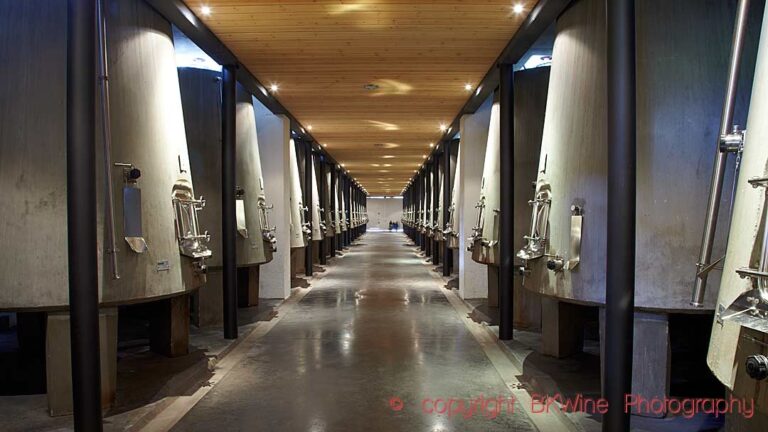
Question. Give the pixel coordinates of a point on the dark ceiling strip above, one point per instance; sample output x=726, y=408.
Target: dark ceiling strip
x=536, y=23
x=182, y=17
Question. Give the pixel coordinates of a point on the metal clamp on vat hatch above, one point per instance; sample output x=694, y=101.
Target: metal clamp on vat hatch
x=323, y=227
x=267, y=232
x=477, y=230
x=305, y=227
x=537, y=236
x=750, y=309
x=191, y=240
x=132, y=224
x=242, y=225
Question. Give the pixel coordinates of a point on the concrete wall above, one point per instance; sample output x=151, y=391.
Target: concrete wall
x=381, y=211
x=274, y=140
x=473, y=277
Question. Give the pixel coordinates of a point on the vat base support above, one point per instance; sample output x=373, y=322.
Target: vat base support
x=59, y=364
x=562, y=328
x=493, y=286
x=248, y=286
x=169, y=327
x=652, y=357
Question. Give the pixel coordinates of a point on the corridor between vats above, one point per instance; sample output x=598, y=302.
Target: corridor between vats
x=375, y=330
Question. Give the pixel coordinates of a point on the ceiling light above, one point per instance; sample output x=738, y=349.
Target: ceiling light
x=205, y=10
x=468, y=87
x=342, y=165
x=274, y=87
x=431, y=145
x=518, y=8
x=309, y=127
x=325, y=145
x=443, y=127
x=387, y=157
x=424, y=156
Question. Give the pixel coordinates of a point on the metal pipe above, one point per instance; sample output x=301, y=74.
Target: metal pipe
x=308, y=261
x=621, y=206
x=322, y=195
x=228, y=212
x=721, y=157
x=106, y=131
x=447, y=253
x=506, y=207
x=82, y=238
x=435, y=206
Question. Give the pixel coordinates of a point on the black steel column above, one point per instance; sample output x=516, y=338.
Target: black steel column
x=308, y=204
x=81, y=215
x=228, y=213
x=332, y=198
x=447, y=195
x=323, y=196
x=506, y=191
x=620, y=273
x=435, y=205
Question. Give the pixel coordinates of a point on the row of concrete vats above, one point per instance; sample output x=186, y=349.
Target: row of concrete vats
x=160, y=151
x=560, y=147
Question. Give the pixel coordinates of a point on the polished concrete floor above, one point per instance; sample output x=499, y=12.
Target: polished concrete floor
x=373, y=332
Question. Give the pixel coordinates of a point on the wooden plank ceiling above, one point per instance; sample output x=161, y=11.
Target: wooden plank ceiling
x=418, y=56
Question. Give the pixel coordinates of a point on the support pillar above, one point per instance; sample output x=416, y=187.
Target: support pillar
x=507, y=205
x=447, y=195
x=228, y=213
x=81, y=218
x=622, y=191
x=308, y=203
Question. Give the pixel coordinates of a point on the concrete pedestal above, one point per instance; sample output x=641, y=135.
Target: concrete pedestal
x=562, y=328
x=169, y=326
x=59, y=360
x=651, y=362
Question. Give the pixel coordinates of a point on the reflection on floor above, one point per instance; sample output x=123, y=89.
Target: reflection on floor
x=374, y=346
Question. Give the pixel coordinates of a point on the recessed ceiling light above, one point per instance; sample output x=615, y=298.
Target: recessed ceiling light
x=443, y=127
x=424, y=156
x=518, y=8
x=388, y=157
x=205, y=10
x=325, y=145
x=468, y=87
x=309, y=127
x=274, y=87
x=371, y=86
x=342, y=165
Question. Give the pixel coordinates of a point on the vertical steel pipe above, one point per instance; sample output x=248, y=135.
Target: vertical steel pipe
x=435, y=204
x=82, y=242
x=506, y=207
x=106, y=131
x=622, y=191
x=447, y=253
x=334, y=211
x=228, y=212
x=323, y=196
x=308, y=204
x=721, y=157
